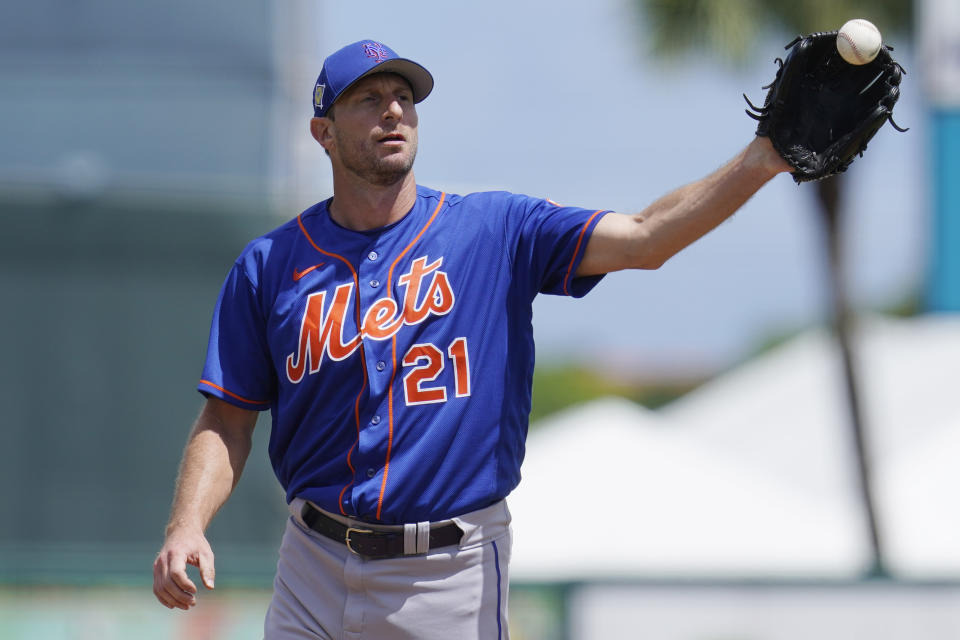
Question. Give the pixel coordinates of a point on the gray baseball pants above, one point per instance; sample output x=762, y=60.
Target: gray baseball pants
x=324, y=591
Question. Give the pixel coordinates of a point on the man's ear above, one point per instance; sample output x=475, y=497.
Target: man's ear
x=320, y=130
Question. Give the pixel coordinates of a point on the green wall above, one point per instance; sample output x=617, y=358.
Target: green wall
x=104, y=313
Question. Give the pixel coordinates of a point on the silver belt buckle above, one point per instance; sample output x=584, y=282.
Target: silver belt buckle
x=347, y=538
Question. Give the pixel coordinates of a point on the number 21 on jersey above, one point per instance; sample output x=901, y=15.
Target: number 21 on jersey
x=426, y=361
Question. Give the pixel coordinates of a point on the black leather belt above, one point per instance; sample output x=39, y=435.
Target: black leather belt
x=369, y=542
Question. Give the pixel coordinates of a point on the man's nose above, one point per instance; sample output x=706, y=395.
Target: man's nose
x=393, y=110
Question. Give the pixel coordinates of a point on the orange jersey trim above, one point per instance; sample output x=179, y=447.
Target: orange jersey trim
x=356, y=403
x=576, y=251
x=393, y=374
x=232, y=394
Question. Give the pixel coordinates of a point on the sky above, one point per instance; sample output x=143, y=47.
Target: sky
x=563, y=100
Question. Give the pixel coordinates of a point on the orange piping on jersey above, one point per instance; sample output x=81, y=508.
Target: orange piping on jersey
x=576, y=251
x=363, y=357
x=232, y=394
x=393, y=373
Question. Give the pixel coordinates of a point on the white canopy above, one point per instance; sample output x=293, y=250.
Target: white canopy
x=753, y=474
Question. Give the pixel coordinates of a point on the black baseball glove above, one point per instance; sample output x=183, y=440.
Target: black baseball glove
x=821, y=111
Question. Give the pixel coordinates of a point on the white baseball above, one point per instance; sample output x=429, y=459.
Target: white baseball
x=858, y=41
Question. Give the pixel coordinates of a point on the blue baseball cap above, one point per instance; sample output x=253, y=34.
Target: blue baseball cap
x=344, y=68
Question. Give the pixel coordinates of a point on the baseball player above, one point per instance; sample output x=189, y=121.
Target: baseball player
x=388, y=331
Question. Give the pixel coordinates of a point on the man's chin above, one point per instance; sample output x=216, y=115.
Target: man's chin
x=384, y=171
x=392, y=169
x=387, y=176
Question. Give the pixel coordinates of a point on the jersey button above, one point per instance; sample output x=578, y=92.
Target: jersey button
x=371, y=472
x=381, y=365
x=374, y=283
x=373, y=255
x=375, y=420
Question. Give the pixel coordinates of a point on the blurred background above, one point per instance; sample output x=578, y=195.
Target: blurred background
x=759, y=440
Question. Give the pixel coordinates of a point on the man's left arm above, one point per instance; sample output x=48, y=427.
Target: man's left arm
x=648, y=239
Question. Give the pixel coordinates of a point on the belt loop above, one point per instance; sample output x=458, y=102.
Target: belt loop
x=423, y=537
x=410, y=542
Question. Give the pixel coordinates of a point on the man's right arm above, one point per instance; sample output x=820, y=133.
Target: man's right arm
x=648, y=239
x=213, y=460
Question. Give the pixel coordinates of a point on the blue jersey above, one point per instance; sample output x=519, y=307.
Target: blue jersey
x=397, y=363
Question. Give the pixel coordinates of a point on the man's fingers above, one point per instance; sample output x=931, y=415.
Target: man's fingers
x=180, y=579
x=207, y=570
x=159, y=591
x=172, y=585
x=166, y=599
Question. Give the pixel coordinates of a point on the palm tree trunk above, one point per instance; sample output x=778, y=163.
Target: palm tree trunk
x=828, y=193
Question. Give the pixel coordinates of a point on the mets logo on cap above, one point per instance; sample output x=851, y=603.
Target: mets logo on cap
x=376, y=51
